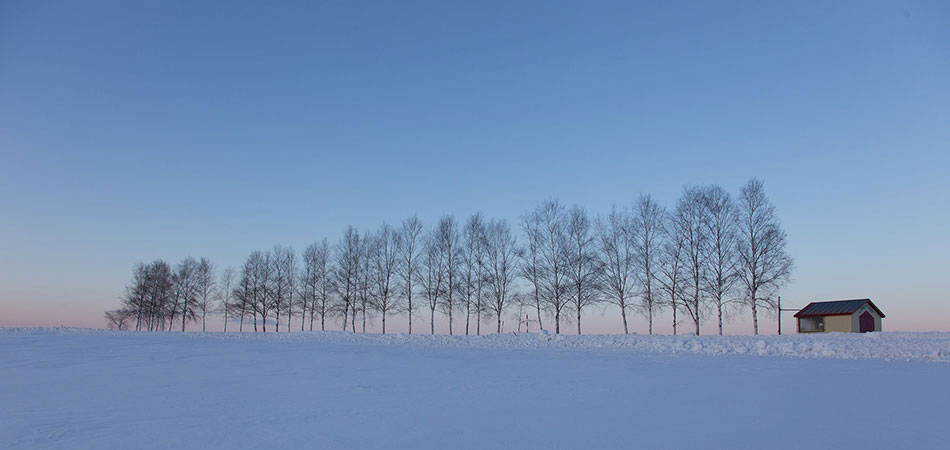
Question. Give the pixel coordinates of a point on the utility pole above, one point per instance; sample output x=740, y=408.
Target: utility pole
x=780, y=309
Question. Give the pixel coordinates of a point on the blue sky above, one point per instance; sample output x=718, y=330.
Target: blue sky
x=164, y=129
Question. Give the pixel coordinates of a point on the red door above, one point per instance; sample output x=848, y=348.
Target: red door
x=866, y=322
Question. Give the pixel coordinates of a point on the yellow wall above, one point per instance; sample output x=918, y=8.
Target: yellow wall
x=841, y=324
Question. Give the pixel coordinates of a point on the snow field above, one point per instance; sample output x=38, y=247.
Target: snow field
x=933, y=346
x=83, y=389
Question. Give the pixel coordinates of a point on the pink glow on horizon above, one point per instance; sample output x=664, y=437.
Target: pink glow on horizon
x=596, y=321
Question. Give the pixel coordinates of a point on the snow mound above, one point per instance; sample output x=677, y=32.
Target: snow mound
x=75, y=389
x=933, y=346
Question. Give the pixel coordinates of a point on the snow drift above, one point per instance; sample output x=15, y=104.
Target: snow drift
x=85, y=389
x=933, y=346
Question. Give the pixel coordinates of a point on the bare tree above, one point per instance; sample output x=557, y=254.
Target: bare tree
x=764, y=265
x=648, y=223
x=617, y=239
x=290, y=285
x=554, y=255
x=532, y=266
x=364, y=276
x=306, y=288
x=433, y=273
x=309, y=284
x=262, y=302
x=327, y=285
x=161, y=287
x=157, y=304
x=690, y=222
x=245, y=291
x=347, y=274
x=585, y=266
x=473, y=271
x=225, y=294
x=242, y=296
x=185, y=292
x=205, y=287
x=135, y=299
x=386, y=259
x=501, y=266
x=316, y=282
x=448, y=235
x=722, y=261
x=671, y=267
x=283, y=263
x=411, y=238
x=119, y=319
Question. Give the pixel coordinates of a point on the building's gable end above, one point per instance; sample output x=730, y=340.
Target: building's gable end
x=874, y=312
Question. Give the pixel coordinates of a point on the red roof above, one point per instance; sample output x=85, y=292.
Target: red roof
x=836, y=308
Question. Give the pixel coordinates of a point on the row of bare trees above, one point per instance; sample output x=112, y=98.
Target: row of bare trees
x=709, y=256
x=161, y=295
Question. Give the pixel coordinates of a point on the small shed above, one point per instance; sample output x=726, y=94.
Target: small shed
x=845, y=316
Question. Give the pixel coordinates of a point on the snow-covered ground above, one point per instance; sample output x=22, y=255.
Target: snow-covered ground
x=78, y=389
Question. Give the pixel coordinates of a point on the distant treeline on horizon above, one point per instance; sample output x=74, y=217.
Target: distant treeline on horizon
x=710, y=254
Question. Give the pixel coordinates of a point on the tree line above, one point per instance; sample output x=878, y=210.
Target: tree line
x=705, y=257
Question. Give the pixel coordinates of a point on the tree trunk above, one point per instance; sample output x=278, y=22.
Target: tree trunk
x=720, y=318
x=432, y=320
x=623, y=314
x=755, y=311
x=650, y=315
x=674, y=319
x=478, y=309
x=578, y=320
x=578, y=307
x=649, y=299
x=468, y=315
x=696, y=307
x=384, y=322
x=537, y=304
x=755, y=319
